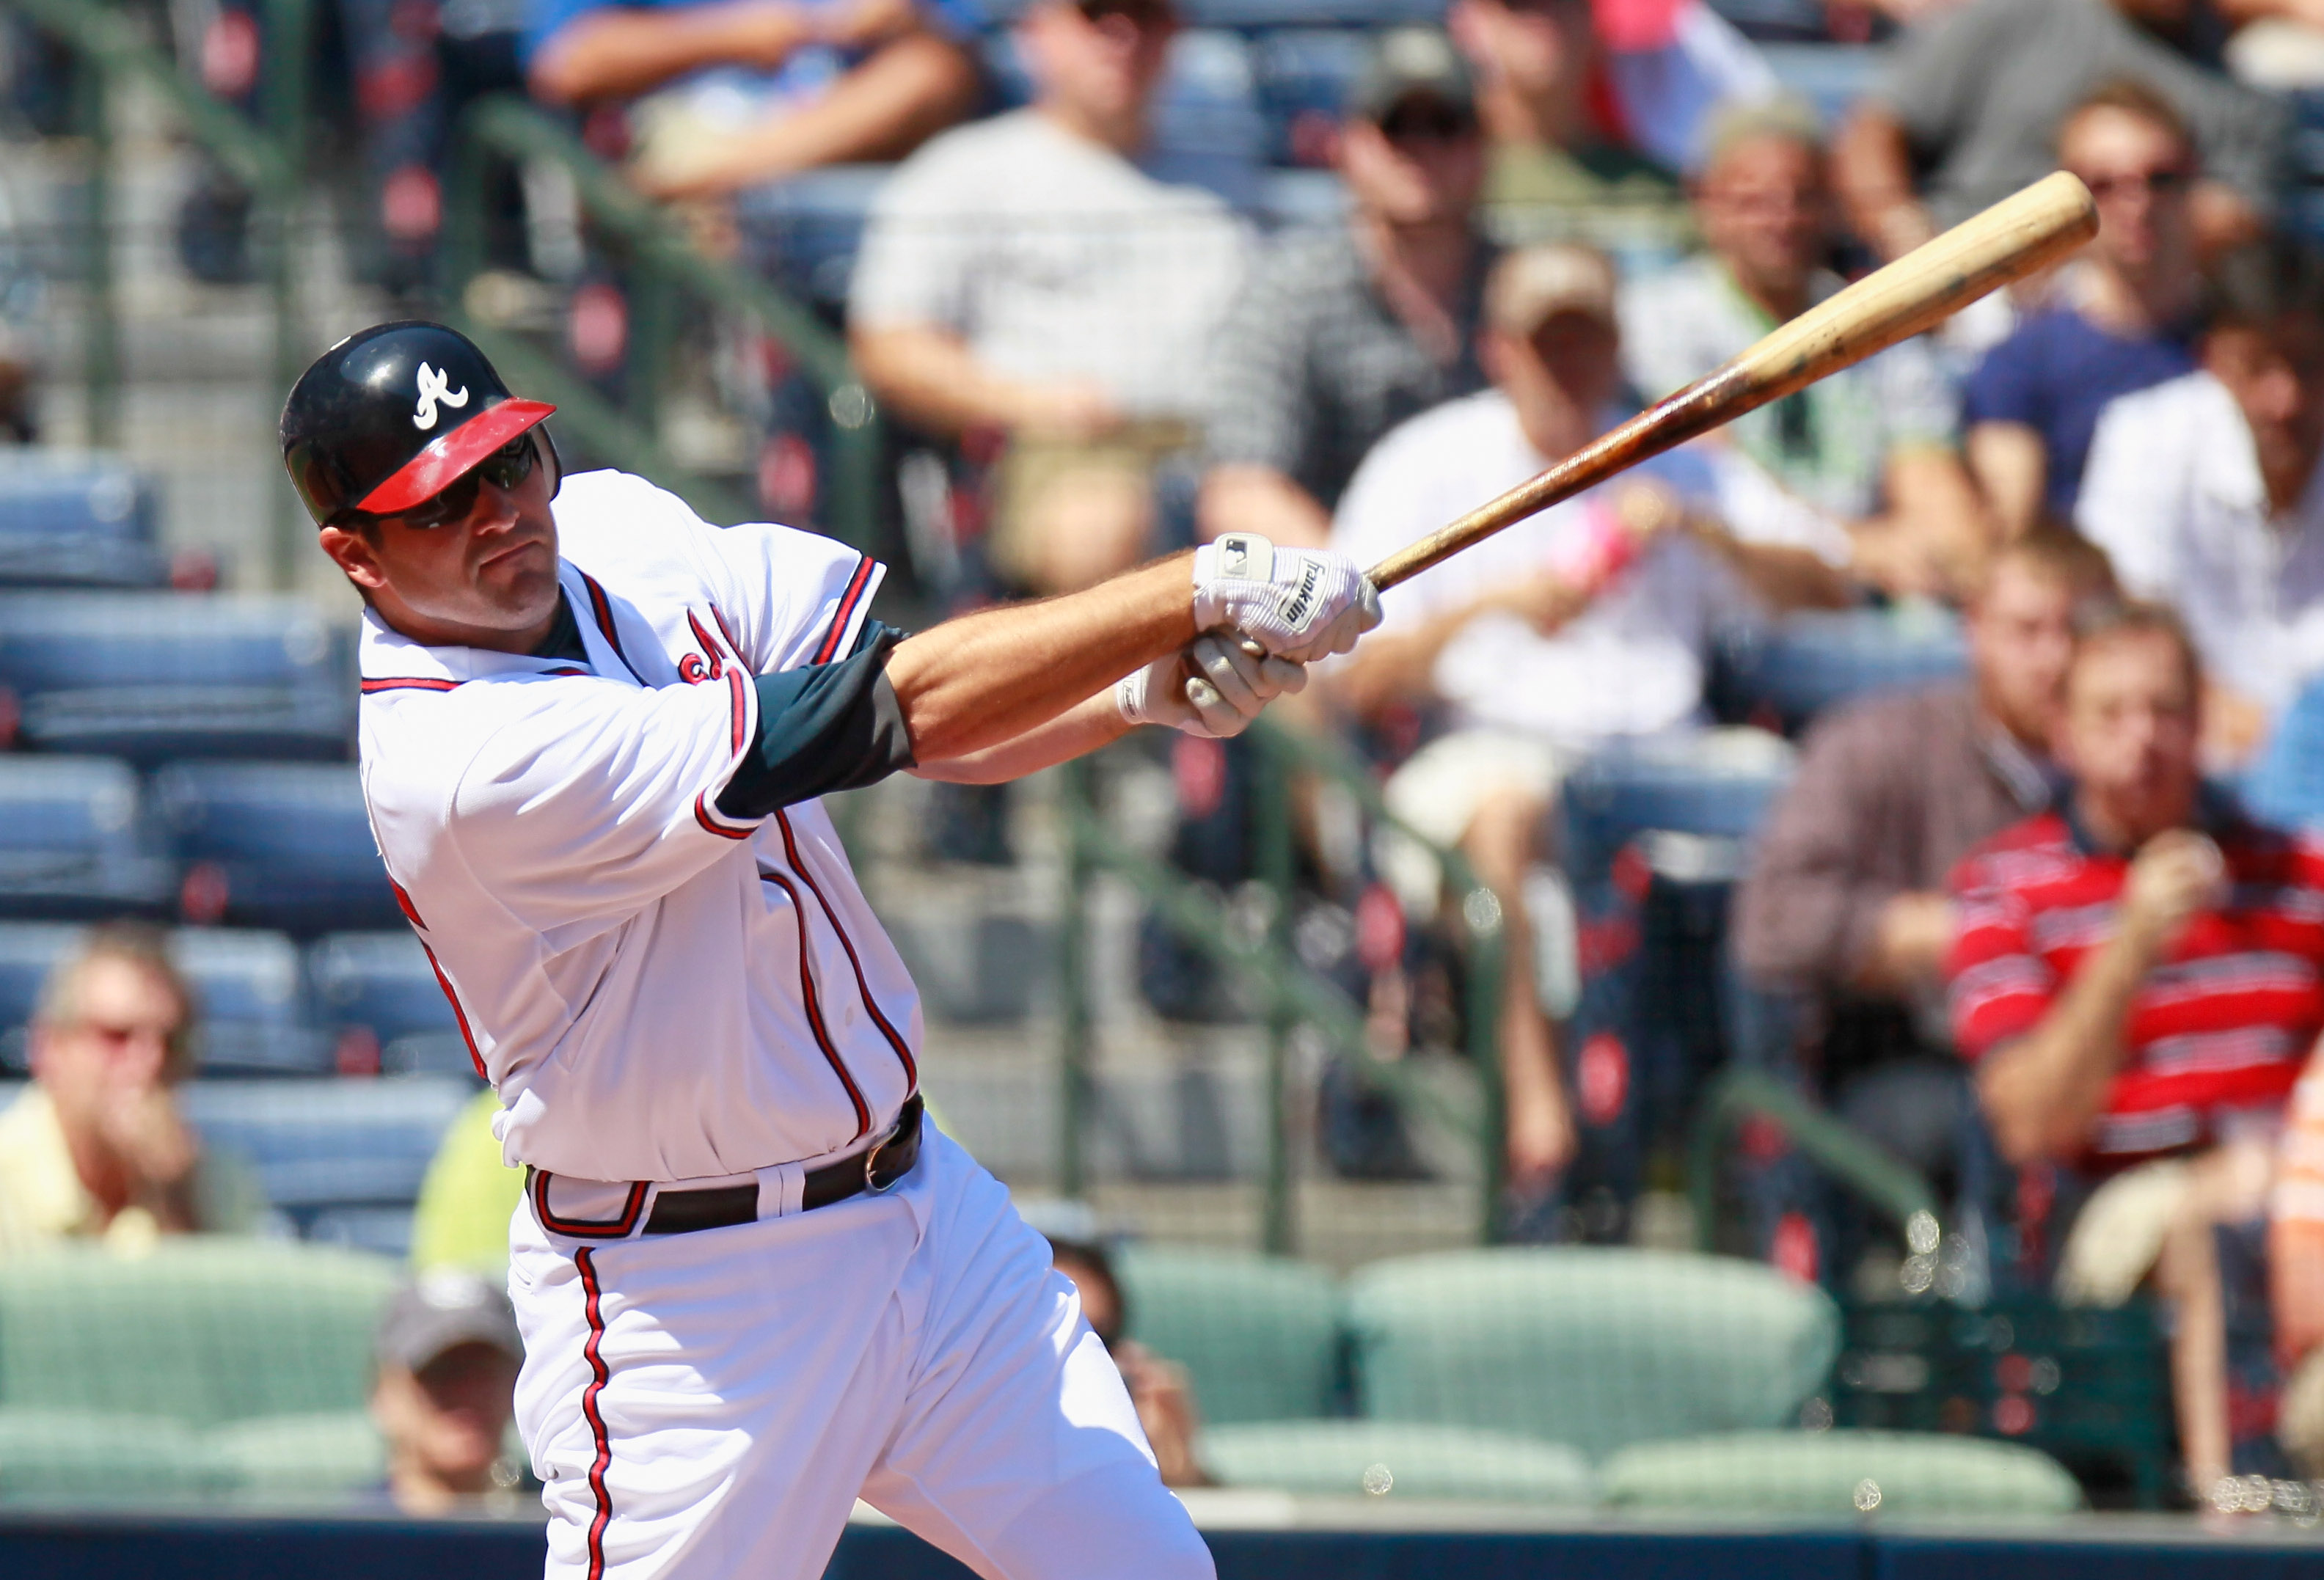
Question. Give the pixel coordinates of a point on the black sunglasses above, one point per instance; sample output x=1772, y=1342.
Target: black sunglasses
x=1428, y=120
x=1145, y=14
x=504, y=469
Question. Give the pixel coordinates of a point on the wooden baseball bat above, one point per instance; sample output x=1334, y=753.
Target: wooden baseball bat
x=2009, y=241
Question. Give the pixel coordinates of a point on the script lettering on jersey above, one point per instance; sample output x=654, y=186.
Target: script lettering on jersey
x=433, y=387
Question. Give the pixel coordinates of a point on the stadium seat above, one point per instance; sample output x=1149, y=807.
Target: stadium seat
x=803, y=232
x=72, y=844
x=48, y=1455
x=313, y=1452
x=1840, y=1474
x=1328, y=1457
x=254, y=1003
x=77, y=519
x=156, y=676
x=1207, y=127
x=1597, y=1348
x=317, y=1146
x=1786, y=673
x=381, y=985
x=1259, y=1335
x=275, y=845
x=200, y=1330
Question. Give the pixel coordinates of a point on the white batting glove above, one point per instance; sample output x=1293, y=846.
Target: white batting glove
x=1237, y=680
x=1297, y=603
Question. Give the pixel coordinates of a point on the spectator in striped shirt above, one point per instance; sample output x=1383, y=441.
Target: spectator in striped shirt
x=2138, y=976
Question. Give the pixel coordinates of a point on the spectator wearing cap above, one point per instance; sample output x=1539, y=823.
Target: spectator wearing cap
x=95, y=1148
x=2205, y=491
x=446, y=1360
x=1845, y=904
x=2121, y=318
x=1024, y=276
x=1873, y=446
x=1159, y=1388
x=728, y=94
x=1344, y=331
x=1588, y=623
x=1975, y=96
x=2137, y=977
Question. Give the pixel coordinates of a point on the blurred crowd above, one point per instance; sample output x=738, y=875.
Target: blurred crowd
x=2053, y=933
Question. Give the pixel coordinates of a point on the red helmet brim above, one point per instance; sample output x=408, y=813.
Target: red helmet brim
x=441, y=465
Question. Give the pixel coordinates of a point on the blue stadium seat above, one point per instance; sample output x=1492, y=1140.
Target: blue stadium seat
x=380, y=983
x=1787, y=673
x=1208, y=130
x=155, y=675
x=320, y=1146
x=71, y=846
x=70, y=520
x=253, y=1006
x=803, y=233
x=1304, y=77
x=278, y=844
x=254, y=1019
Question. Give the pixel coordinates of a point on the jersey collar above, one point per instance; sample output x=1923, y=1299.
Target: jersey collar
x=389, y=660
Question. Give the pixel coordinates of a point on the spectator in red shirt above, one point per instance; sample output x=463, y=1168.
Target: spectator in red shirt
x=2138, y=976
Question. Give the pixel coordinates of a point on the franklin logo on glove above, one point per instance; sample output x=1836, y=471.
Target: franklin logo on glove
x=1296, y=603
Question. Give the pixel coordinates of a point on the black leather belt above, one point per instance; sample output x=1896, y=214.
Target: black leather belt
x=879, y=1171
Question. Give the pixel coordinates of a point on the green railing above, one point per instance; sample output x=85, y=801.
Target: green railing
x=1834, y=1145
x=663, y=261
x=1289, y=993
x=110, y=50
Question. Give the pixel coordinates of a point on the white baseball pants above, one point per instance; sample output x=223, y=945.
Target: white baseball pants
x=710, y=1405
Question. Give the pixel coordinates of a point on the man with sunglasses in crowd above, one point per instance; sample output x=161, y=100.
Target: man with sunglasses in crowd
x=595, y=734
x=1345, y=330
x=95, y=1148
x=1028, y=277
x=2121, y=318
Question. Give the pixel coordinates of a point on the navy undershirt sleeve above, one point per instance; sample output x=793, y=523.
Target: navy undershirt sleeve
x=823, y=727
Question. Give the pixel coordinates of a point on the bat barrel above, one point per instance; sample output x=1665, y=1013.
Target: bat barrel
x=2017, y=236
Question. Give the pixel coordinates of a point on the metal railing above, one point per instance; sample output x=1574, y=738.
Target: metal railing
x=1834, y=1145
x=110, y=51
x=1289, y=993
x=661, y=257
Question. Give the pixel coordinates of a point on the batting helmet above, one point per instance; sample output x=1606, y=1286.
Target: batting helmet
x=394, y=414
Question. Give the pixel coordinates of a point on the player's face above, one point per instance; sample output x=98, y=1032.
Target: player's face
x=2142, y=177
x=118, y=1046
x=1422, y=164
x=486, y=578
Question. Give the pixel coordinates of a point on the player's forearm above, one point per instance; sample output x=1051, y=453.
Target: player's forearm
x=2039, y=1094
x=1078, y=731
x=974, y=683
x=621, y=52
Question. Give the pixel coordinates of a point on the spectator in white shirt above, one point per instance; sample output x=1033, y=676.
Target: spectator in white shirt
x=1024, y=276
x=2205, y=493
x=1590, y=621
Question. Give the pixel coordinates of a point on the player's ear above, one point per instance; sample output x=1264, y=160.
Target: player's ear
x=354, y=554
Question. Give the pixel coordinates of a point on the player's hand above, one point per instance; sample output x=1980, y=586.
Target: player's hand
x=1233, y=678
x=2176, y=874
x=1297, y=603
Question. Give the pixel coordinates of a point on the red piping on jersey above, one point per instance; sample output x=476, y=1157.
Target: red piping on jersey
x=845, y=613
x=403, y=903
x=815, y=1008
x=587, y=1228
x=593, y=1352
x=862, y=988
x=738, y=737
x=600, y=606
x=727, y=631
x=565, y=669
x=459, y=1014
x=702, y=816
x=411, y=683
x=710, y=649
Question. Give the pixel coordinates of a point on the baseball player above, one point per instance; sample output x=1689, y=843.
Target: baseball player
x=594, y=731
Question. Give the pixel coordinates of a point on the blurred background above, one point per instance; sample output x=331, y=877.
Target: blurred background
x=1776, y=996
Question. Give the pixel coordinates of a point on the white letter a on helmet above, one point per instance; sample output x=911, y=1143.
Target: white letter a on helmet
x=433, y=387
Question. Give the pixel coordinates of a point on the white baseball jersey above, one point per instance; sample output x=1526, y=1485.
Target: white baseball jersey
x=658, y=990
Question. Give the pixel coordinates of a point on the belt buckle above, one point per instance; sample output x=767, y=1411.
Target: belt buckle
x=871, y=1185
